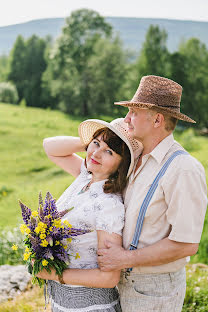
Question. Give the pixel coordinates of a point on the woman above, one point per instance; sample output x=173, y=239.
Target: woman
x=96, y=198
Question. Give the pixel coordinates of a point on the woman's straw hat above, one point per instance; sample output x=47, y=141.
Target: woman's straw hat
x=88, y=127
x=158, y=92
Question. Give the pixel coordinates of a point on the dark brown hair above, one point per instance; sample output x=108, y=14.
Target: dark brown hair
x=116, y=181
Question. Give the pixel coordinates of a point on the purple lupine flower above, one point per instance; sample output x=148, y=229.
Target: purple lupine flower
x=33, y=223
x=62, y=213
x=46, y=208
x=48, y=254
x=40, y=213
x=40, y=200
x=26, y=212
x=53, y=208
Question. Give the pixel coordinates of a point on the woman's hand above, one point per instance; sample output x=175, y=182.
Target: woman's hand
x=46, y=275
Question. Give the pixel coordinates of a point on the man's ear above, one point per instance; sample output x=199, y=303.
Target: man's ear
x=158, y=120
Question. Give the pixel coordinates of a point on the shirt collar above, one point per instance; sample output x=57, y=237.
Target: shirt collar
x=162, y=148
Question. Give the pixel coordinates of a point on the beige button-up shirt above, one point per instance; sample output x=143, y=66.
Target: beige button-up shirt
x=177, y=208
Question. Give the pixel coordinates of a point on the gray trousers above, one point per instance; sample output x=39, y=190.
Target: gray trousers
x=153, y=292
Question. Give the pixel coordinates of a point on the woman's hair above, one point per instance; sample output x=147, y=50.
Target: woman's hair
x=117, y=180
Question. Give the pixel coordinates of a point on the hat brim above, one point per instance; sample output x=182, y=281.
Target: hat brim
x=169, y=111
x=88, y=127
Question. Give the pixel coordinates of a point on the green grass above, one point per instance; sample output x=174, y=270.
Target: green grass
x=25, y=169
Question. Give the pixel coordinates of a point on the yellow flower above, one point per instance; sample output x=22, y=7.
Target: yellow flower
x=44, y=262
x=27, y=230
x=69, y=240
x=35, y=213
x=57, y=223
x=26, y=256
x=57, y=243
x=66, y=222
x=51, y=229
x=27, y=249
x=42, y=236
x=65, y=246
x=44, y=243
x=22, y=228
x=14, y=247
x=77, y=255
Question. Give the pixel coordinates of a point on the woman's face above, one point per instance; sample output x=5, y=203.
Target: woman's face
x=101, y=160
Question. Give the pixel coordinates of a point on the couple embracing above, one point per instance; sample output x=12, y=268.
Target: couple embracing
x=145, y=199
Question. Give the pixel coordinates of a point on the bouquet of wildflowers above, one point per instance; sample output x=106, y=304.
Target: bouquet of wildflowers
x=47, y=237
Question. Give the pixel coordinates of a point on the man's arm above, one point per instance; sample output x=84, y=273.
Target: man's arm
x=162, y=252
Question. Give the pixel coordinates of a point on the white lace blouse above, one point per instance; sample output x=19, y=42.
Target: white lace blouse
x=93, y=209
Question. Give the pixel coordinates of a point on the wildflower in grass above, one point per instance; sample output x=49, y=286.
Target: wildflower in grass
x=14, y=247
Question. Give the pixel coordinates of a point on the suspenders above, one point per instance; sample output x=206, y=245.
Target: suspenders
x=148, y=198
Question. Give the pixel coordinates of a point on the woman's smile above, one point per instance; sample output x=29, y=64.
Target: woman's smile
x=94, y=161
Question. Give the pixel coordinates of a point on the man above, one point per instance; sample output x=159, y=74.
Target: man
x=175, y=214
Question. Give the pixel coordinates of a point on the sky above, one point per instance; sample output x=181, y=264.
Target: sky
x=19, y=11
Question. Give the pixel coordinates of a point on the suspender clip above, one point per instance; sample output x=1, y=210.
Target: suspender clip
x=134, y=246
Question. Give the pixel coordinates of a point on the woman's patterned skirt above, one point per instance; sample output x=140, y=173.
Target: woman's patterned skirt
x=65, y=298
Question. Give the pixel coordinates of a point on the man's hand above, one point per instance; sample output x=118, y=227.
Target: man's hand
x=112, y=258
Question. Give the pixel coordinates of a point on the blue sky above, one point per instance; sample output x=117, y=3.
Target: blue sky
x=18, y=11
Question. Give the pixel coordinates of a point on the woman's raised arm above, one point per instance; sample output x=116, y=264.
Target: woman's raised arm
x=61, y=150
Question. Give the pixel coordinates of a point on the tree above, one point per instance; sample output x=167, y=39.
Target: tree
x=17, y=65
x=35, y=65
x=68, y=68
x=106, y=76
x=27, y=64
x=8, y=93
x=195, y=98
x=154, y=56
x=4, y=62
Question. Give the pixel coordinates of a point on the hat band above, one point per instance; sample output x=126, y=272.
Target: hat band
x=159, y=99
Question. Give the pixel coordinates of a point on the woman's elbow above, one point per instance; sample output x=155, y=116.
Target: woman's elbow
x=45, y=145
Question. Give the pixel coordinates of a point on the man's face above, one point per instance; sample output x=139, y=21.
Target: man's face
x=140, y=123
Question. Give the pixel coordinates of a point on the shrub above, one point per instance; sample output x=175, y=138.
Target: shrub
x=189, y=141
x=7, y=239
x=196, y=299
x=8, y=93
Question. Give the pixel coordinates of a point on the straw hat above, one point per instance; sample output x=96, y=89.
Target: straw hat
x=88, y=127
x=158, y=92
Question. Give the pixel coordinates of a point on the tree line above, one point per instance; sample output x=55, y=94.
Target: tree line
x=87, y=69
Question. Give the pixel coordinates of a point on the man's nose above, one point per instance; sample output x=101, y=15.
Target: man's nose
x=127, y=119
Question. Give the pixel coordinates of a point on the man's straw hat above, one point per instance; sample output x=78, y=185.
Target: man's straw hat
x=158, y=92
x=88, y=127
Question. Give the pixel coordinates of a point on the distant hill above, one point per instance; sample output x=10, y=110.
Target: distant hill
x=131, y=30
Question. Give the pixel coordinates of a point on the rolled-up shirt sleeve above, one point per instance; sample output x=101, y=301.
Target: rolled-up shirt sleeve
x=186, y=198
